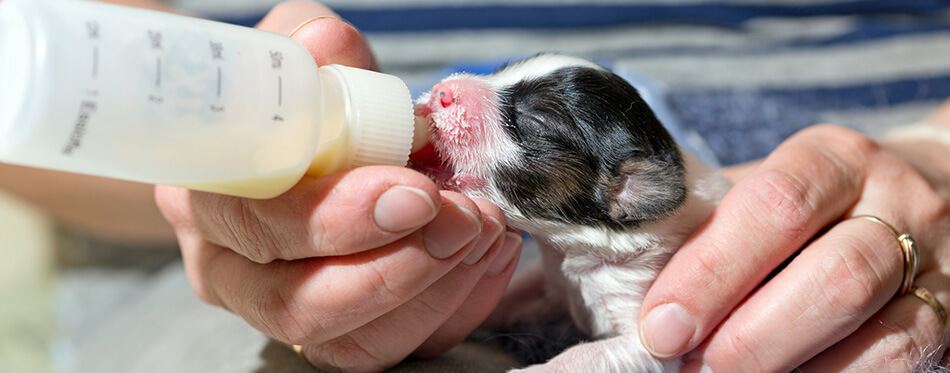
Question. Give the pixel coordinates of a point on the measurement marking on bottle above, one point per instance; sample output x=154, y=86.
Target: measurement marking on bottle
x=92, y=30
x=217, y=50
x=280, y=90
x=155, y=39
x=276, y=59
x=95, y=62
x=86, y=110
x=158, y=72
x=219, y=81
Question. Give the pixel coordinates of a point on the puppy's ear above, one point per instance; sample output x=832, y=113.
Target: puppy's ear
x=646, y=189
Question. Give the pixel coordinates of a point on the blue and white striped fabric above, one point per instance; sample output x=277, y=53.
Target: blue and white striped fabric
x=741, y=74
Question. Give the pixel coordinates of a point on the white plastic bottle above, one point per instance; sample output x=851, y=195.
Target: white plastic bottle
x=146, y=96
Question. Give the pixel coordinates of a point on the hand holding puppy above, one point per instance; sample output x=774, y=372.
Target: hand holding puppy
x=723, y=302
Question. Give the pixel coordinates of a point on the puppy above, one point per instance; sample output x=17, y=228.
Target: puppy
x=574, y=156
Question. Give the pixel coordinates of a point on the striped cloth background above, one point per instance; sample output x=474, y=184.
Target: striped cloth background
x=739, y=74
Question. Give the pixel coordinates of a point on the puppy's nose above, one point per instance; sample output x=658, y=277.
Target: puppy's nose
x=442, y=96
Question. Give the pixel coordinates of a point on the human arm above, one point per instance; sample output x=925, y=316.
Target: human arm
x=118, y=211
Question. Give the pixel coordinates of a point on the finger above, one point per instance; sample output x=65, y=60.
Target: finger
x=312, y=300
x=767, y=216
x=340, y=214
x=904, y=336
x=329, y=39
x=390, y=338
x=480, y=302
x=824, y=294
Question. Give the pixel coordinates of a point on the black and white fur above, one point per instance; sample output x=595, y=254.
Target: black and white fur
x=574, y=156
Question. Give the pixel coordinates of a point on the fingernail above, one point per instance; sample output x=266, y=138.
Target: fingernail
x=452, y=229
x=490, y=233
x=401, y=208
x=506, y=253
x=667, y=329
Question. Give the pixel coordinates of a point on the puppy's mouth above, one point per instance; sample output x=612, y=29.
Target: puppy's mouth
x=429, y=159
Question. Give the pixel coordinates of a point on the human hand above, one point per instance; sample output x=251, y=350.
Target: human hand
x=361, y=268
x=832, y=307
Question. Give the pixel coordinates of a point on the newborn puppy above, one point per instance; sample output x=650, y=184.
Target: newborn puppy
x=572, y=155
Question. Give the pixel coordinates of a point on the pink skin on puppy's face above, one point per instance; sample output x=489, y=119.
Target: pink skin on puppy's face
x=464, y=122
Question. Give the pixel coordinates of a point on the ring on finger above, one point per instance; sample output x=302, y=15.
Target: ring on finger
x=929, y=298
x=909, y=251
x=304, y=23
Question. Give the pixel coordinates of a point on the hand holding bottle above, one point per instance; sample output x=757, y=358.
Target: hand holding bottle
x=363, y=267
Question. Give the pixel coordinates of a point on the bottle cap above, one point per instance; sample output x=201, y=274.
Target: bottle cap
x=379, y=115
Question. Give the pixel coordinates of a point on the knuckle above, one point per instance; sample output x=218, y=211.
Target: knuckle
x=385, y=291
x=278, y=317
x=786, y=200
x=848, y=282
x=252, y=238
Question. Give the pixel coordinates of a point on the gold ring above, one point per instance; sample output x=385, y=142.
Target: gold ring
x=909, y=251
x=304, y=23
x=299, y=350
x=928, y=297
